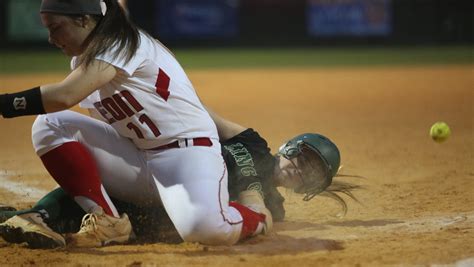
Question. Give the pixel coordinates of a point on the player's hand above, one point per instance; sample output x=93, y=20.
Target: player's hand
x=254, y=201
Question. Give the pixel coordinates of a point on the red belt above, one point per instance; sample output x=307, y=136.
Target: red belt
x=199, y=141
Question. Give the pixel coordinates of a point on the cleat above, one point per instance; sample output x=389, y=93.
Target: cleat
x=99, y=229
x=11, y=234
x=30, y=228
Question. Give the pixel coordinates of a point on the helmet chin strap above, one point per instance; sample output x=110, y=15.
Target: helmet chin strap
x=291, y=153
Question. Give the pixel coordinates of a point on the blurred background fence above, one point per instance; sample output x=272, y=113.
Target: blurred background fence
x=246, y=23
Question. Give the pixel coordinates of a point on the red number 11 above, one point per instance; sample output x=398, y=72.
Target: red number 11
x=162, y=88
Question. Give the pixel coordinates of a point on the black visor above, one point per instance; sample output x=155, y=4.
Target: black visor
x=71, y=7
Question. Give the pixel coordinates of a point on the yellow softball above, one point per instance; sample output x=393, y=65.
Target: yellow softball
x=440, y=131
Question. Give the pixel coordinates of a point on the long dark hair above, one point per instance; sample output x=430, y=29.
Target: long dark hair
x=113, y=29
x=337, y=188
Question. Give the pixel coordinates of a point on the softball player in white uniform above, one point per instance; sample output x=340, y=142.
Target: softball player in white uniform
x=156, y=143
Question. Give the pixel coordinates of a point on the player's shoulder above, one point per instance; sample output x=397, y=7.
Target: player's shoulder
x=248, y=137
x=251, y=141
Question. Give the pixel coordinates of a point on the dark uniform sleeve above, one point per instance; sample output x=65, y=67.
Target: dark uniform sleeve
x=250, y=166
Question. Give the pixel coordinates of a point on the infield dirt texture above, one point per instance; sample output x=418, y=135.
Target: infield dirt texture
x=417, y=208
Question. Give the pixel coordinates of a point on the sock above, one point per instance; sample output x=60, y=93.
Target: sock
x=58, y=210
x=253, y=222
x=74, y=169
x=51, y=203
x=5, y=215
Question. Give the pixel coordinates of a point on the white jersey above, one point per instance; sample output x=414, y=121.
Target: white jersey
x=151, y=100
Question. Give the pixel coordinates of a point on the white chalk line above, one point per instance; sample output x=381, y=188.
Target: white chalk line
x=469, y=262
x=20, y=188
x=428, y=224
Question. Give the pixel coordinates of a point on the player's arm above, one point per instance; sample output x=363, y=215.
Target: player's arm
x=58, y=96
x=246, y=183
x=225, y=128
x=77, y=86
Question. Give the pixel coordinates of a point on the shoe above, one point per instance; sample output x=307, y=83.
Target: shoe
x=99, y=229
x=30, y=228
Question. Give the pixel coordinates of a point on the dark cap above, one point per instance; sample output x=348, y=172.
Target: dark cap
x=71, y=7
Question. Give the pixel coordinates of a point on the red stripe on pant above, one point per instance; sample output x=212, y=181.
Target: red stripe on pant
x=75, y=170
x=251, y=219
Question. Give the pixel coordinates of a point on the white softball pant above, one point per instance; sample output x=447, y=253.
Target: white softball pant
x=190, y=182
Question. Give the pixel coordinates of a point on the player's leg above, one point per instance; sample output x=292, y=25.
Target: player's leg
x=6, y=212
x=117, y=163
x=40, y=226
x=192, y=183
x=56, y=207
x=30, y=226
x=63, y=215
x=68, y=160
x=90, y=160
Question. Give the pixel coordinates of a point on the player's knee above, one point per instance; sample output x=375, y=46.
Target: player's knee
x=38, y=130
x=211, y=230
x=46, y=134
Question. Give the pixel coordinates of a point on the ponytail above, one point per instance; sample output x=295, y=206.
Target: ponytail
x=114, y=29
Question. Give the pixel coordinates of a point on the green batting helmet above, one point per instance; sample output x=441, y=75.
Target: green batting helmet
x=318, y=161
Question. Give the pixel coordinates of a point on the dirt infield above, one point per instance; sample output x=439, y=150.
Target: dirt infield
x=418, y=205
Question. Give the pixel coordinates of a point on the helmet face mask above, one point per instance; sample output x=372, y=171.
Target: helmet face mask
x=318, y=161
x=315, y=173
